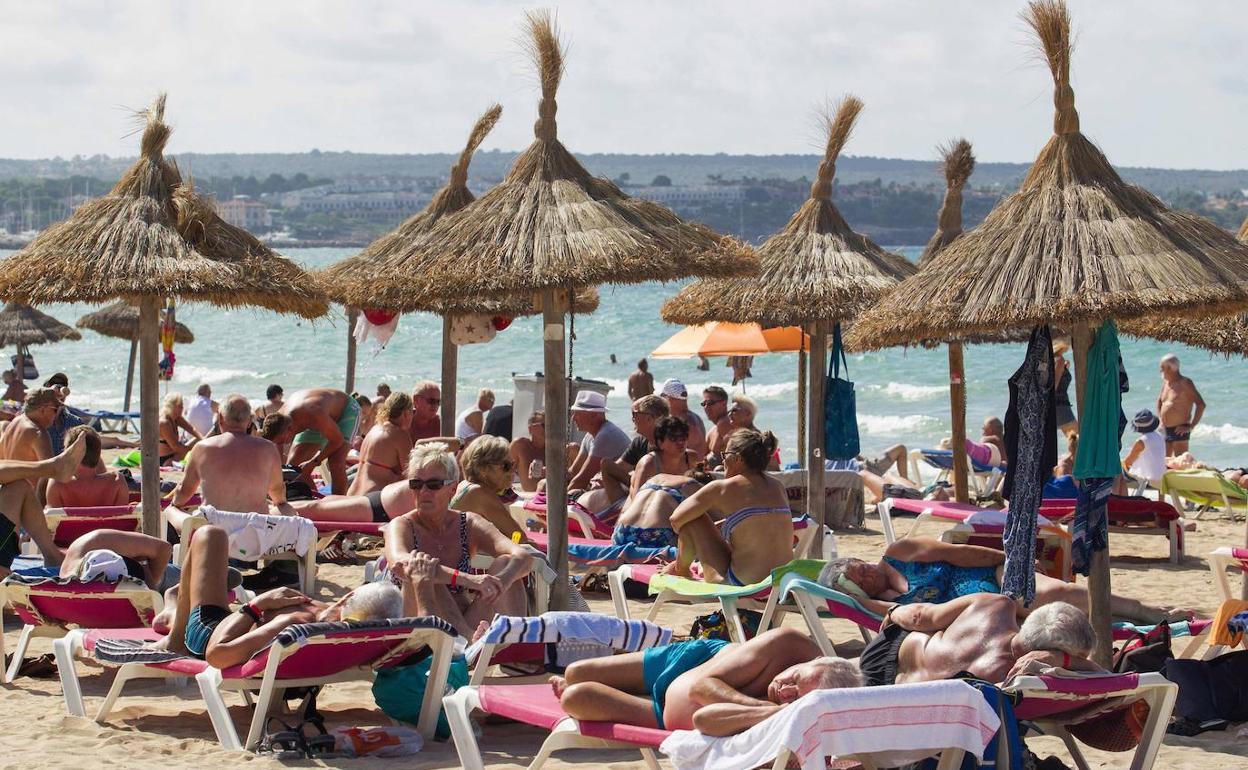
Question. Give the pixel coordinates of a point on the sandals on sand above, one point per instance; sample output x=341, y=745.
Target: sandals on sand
x=42, y=667
x=337, y=552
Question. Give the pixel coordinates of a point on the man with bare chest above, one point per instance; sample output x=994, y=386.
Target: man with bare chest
x=326, y=422
x=234, y=471
x=1179, y=406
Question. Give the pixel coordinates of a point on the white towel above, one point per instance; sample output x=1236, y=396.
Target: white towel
x=254, y=536
x=894, y=724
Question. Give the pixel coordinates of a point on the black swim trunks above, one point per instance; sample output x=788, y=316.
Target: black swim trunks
x=134, y=568
x=10, y=548
x=879, y=659
x=1178, y=433
x=379, y=510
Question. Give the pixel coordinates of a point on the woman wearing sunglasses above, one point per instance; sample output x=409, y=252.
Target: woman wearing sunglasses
x=486, y=488
x=432, y=548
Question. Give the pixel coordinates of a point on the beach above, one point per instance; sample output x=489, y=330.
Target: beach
x=902, y=393
x=156, y=725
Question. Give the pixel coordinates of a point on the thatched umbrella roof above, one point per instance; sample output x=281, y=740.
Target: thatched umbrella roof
x=23, y=325
x=957, y=163
x=381, y=275
x=551, y=225
x=1075, y=244
x=151, y=235
x=816, y=268
x=121, y=320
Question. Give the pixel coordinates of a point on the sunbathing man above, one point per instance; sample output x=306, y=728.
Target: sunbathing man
x=979, y=634
x=199, y=622
x=383, y=455
x=703, y=684
x=19, y=508
x=715, y=406
x=756, y=536
x=525, y=450
x=235, y=472
x=617, y=473
x=450, y=588
x=26, y=437
x=112, y=553
x=90, y=485
x=172, y=423
x=646, y=520
x=325, y=422
x=923, y=569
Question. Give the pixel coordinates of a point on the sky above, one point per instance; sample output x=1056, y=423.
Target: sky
x=1157, y=83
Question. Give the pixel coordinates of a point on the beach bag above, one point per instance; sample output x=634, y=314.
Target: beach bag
x=715, y=626
x=1211, y=689
x=1145, y=652
x=840, y=407
x=472, y=329
x=399, y=690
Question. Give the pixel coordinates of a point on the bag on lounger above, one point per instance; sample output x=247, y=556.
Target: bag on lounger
x=840, y=406
x=1211, y=689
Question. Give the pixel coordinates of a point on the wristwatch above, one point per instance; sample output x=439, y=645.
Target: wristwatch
x=250, y=612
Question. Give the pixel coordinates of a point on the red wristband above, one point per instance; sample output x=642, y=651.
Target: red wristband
x=1066, y=660
x=454, y=577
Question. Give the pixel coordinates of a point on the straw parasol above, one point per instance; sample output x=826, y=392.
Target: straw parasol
x=550, y=228
x=816, y=272
x=121, y=320
x=22, y=326
x=1074, y=246
x=149, y=238
x=381, y=275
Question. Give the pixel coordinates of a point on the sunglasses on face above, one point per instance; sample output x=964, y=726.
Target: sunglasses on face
x=433, y=485
x=712, y=402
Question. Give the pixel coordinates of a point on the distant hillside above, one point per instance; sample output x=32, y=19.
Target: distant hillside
x=681, y=169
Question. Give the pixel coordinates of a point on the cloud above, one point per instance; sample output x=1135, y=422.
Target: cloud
x=1156, y=82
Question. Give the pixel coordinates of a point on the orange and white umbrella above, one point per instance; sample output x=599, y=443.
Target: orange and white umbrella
x=729, y=339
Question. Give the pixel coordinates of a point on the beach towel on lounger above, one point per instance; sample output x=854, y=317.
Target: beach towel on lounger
x=254, y=536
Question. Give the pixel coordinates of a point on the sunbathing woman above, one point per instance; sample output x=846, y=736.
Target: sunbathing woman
x=647, y=517
x=925, y=570
x=670, y=436
x=756, y=537
x=486, y=488
x=171, y=424
x=386, y=446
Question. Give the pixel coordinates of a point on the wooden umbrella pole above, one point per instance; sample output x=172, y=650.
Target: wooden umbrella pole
x=957, y=404
x=149, y=419
x=352, y=349
x=450, y=374
x=816, y=496
x=556, y=403
x=1098, y=574
x=801, y=407
x=134, y=349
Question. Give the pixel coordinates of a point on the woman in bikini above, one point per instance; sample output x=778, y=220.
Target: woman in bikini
x=646, y=520
x=172, y=422
x=756, y=537
x=272, y=405
x=386, y=446
x=433, y=546
x=486, y=488
x=670, y=436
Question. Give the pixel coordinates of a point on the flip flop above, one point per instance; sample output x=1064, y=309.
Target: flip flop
x=42, y=667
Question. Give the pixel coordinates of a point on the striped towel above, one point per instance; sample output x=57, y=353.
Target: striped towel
x=121, y=651
x=586, y=634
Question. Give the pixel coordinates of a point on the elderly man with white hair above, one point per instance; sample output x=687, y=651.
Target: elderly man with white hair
x=979, y=633
x=1179, y=406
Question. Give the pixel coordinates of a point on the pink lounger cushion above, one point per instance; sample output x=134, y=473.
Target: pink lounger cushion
x=941, y=509
x=537, y=705
x=133, y=634
x=1240, y=553
x=360, y=527
x=74, y=603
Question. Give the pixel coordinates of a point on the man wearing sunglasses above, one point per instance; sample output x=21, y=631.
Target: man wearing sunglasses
x=715, y=405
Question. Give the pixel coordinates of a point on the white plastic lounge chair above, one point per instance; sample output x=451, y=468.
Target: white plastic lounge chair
x=1225, y=558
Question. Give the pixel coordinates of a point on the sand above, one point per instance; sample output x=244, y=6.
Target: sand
x=157, y=725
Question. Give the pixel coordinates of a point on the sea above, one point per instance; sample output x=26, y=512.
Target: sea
x=902, y=394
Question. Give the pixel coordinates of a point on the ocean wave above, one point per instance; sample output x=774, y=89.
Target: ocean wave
x=907, y=392
x=193, y=374
x=897, y=424
x=774, y=390
x=1223, y=434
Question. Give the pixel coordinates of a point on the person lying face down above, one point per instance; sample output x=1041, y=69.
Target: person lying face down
x=705, y=684
x=923, y=569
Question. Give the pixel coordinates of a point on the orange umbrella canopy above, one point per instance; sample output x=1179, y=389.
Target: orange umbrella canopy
x=729, y=339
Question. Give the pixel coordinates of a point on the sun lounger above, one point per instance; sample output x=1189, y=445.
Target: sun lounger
x=186, y=524
x=304, y=655
x=586, y=555
x=536, y=704
x=985, y=477
x=69, y=524
x=1208, y=490
x=877, y=726
x=1067, y=707
x=943, y=511
x=665, y=588
x=105, y=421
x=1220, y=560
x=51, y=607
x=1133, y=516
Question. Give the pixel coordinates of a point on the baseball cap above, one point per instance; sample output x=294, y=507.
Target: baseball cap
x=674, y=388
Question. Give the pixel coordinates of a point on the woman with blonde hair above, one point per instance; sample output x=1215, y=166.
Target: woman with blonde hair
x=172, y=422
x=486, y=489
x=386, y=446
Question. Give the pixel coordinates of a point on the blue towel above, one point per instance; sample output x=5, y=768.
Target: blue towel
x=1238, y=623
x=1090, y=530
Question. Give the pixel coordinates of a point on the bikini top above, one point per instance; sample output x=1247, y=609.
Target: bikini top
x=736, y=519
x=396, y=470
x=674, y=492
x=465, y=560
